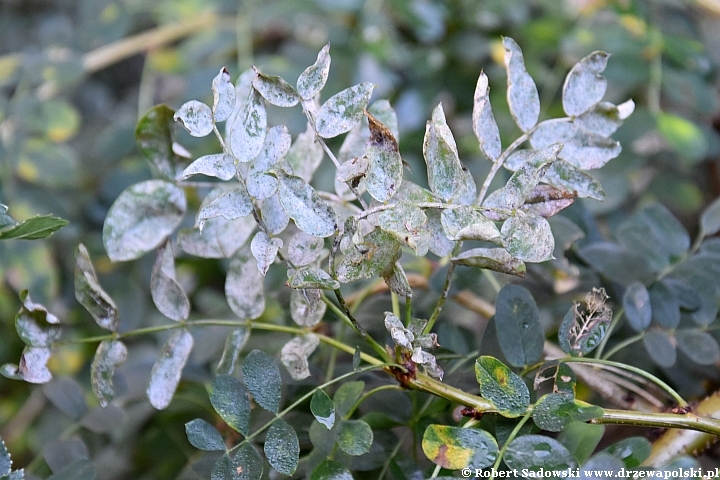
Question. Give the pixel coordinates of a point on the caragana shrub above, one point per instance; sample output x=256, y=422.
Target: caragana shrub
x=259, y=212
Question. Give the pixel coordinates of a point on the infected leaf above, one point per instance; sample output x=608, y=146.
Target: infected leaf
x=294, y=355
x=385, y=170
x=484, y=125
x=223, y=95
x=343, y=111
x=528, y=238
x=497, y=259
x=466, y=223
x=400, y=335
x=313, y=78
x=301, y=202
x=167, y=370
x=275, y=90
x=305, y=154
x=265, y=250
x=262, y=378
x=584, y=86
x=247, y=130
x=581, y=332
x=282, y=448
x=306, y=306
x=445, y=172
x=109, y=354
x=219, y=165
x=313, y=278
x=582, y=148
x=501, y=387
x=245, y=286
x=196, y=117
x=456, y=448
x=167, y=294
x=260, y=185
x=522, y=94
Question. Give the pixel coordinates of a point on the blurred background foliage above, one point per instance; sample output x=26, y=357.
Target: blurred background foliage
x=75, y=76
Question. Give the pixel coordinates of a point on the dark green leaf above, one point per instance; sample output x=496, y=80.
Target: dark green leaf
x=528, y=238
x=601, y=466
x=262, y=378
x=445, y=172
x=282, y=448
x=638, y=310
x=563, y=377
x=167, y=294
x=323, y=409
x=581, y=439
x=275, y=90
x=79, y=470
x=313, y=78
x=346, y=396
x=40, y=226
x=109, y=354
x=66, y=395
x=312, y=215
x=535, y=452
x=343, y=111
x=517, y=320
x=330, y=470
x=91, y=295
x=166, y=372
x=497, y=259
x=354, y=437
x=616, y=263
x=154, y=135
x=245, y=465
x=699, y=346
x=234, y=343
x=228, y=397
x=522, y=93
x=247, y=129
x=312, y=277
x=196, y=117
x=484, y=125
x=141, y=218
x=294, y=355
x=244, y=286
x=204, y=436
x=582, y=331
x=457, y=448
x=356, y=359
x=664, y=305
x=219, y=165
x=103, y=420
x=584, y=86
x=501, y=387
x=555, y=411
x=385, y=167
x=5, y=461
x=655, y=234
x=223, y=95
x=710, y=218
x=661, y=347
x=632, y=451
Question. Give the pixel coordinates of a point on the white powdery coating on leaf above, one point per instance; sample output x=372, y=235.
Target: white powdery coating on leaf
x=90, y=293
x=522, y=94
x=276, y=90
x=343, y=111
x=265, y=249
x=313, y=78
x=33, y=365
x=141, y=218
x=301, y=202
x=232, y=203
x=484, y=124
x=167, y=294
x=445, y=172
x=294, y=355
x=583, y=149
x=223, y=96
x=167, y=370
x=245, y=287
x=196, y=117
x=109, y=354
x=528, y=238
x=584, y=86
x=247, y=129
x=304, y=249
x=306, y=306
x=217, y=165
x=260, y=185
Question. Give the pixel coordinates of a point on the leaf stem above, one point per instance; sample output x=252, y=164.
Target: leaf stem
x=445, y=292
x=510, y=438
x=639, y=371
x=613, y=324
x=623, y=344
x=364, y=397
x=344, y=313
x=500, y=161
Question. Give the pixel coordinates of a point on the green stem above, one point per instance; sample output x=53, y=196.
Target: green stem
x=344, y=313
x=445, y=292
x=375, y=390
x=510, y=438
x=616, y=319
x=408, y=310
x=597, y=361
x=334, y=353
x=623, y=344
x=395, y=304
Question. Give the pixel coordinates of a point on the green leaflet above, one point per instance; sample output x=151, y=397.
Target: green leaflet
x=500, y=386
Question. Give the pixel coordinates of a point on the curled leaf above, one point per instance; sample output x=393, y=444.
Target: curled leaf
x=582, y=331
x=167, y=294
x=306, y=306
x=265, y=250
x=223, y=95
x=109, y=354
x=400, y=335
x=219, y=165
x=497, y=259
x=294, y=355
